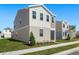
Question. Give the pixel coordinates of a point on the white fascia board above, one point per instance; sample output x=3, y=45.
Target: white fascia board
x=44, y=7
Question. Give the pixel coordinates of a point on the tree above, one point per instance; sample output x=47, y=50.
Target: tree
x=32, y=39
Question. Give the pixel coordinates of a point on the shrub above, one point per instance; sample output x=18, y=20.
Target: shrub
x=2, y=36
x=32, y=39
x=68, y=37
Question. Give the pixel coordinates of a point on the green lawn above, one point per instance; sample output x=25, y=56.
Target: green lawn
x=63, y=41
x=53, y=50
x=12, y=45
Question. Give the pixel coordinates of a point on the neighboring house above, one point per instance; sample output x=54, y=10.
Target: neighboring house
x=7, y=33
x=61, y=30
x=77, y=34
x=0, y=34
x=72, y=31
x=37, y=19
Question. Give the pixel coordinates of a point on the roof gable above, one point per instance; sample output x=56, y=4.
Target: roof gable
x=34, y=6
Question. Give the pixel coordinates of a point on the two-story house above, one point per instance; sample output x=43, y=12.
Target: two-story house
x=37, y=19
x=7, y=33
x=62, y=28
x=72, y=31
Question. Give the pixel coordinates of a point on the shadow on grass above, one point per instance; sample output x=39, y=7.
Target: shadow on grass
x=10, y=39
x=13, y=40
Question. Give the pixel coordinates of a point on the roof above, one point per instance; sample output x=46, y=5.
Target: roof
x=72, y=26
x=33, y=6
x=8, y=29
x=61, y=21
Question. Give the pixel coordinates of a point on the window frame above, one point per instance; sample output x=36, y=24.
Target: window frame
x=63, y=25
x=41, y=16
x=34, y=14
x=47, y=18
x=52, y=19
x=41, y=33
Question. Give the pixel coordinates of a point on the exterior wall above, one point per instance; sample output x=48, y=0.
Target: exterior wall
x=64, y=29
x=21, y=19
x=21, y=30
x=72, y=34
x=0, y=35
x=38, y=38
x=21, y=34
x=77, y=33
x=58, y=30
x=36, y=24
x=7, y=33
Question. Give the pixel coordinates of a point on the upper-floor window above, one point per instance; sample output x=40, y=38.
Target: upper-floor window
x=34, y=14
x=52, y=19
x=47, y=18
x=63, y=25
x=41, y=16
x=41, y=32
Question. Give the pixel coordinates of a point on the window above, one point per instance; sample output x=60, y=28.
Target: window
x=47, y=18
x=65, y=33
x=14, y=26
x=34, y=14
x=52, y=20
x=41, y=32
x=20, y=22
x=64, y=25
x=41, y=16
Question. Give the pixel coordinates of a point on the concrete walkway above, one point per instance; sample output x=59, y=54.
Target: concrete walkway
x=67, y=52
x=37, y=49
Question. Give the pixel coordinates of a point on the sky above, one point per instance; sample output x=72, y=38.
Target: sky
x=66, y=12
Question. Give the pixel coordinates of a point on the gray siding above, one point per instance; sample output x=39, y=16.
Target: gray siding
x=22, y=35
x=58, y=35
x=21, y=30
x=22, y=18
x=58, y=30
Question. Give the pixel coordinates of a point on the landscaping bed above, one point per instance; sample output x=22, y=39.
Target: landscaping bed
x=53, y=50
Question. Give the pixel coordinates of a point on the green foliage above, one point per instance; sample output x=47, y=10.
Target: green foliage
x=68, y=37
x=32, y=39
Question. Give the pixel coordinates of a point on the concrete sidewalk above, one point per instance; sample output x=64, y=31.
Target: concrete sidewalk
x=67, y=52
x=37, y=49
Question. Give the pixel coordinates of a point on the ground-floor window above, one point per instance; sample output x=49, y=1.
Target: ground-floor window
x=52, y=35
x=41, y=32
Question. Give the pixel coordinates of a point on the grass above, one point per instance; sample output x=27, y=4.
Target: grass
x=63, y=41
x=53, y=50
x=13, y=45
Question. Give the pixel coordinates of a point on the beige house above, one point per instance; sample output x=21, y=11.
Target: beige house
x=72, y=31
x=37, y=19
x=61, y=30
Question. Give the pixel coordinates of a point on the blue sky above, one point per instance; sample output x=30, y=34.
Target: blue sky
x=67, y=12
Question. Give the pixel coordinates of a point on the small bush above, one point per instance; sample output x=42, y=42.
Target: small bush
x=68, y=37
x=32, y=39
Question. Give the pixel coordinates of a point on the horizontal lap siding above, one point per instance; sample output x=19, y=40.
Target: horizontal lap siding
x=46, y=34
